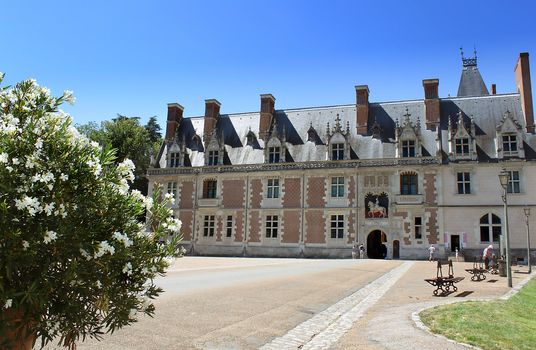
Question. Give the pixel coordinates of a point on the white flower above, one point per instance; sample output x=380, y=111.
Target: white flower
x=123, y=238
x=68, y=97
x=15, y=161
x=25, y=245
x=85, y=254
x=3, y=157
x=99, y=284
x=39, y=144
x=8, y=303
x=127, y=268
x=50, y=236
x=48, y=208
x=132, y=314
x=64, y=177
x=104, y=247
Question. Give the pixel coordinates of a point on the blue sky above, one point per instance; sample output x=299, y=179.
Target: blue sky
x=134, y=57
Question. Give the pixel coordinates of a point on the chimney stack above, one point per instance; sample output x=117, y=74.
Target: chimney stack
x=212, y=114
x=431, y=103
x=174, y=119
x=522, y=73
x=362, y=107
x=267, y=113
x=493, y=89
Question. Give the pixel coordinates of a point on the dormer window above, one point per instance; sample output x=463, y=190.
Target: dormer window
x=213, y=157
x=462, y=146
x=337, y=151
x=274, y=154
x=509, y=145
x=174, y=159
x=408, y=148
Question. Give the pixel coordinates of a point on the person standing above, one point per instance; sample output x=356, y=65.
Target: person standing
x=456, y=254
x=431, y=250
x=488, y=251
x=354, y=251
x=361, y=251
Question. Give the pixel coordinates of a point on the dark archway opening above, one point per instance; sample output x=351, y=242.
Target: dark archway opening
x=376, y=249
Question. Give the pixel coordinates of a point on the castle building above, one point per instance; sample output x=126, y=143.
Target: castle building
x=395, y=176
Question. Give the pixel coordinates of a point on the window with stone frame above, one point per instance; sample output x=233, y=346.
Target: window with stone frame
x=337, y=187
x=213, y=157
x=272, y=188
x=208, y=226
x=210, y=188
x=274, y=154
x=172, y=189
x=229, y=226
x=174, y=159
x=509, y=145
x=490, y=228
x=514, y=182
x=417, y=226
x=409, y=183
x=463, y=181
x=272, y=226
x=337, y=151
x=461, y=146
x=337, y=226
x=408, y=148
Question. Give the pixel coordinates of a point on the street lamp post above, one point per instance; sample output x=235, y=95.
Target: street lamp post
x=527, y=214
x=504, y=177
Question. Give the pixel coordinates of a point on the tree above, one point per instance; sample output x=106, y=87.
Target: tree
x=74, y=260
x=131, y=140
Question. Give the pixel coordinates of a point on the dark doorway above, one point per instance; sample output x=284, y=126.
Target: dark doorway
x=396, y=249
x=375, y=247
x=454, y=243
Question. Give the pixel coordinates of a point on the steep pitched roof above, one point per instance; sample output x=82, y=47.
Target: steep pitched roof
x=471, y=82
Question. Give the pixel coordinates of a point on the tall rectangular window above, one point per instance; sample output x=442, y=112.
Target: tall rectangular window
x=208, y=226
x=514, y=182
x=209, y=188
x=172, y=189
x=337, y=151
x=462, y=146
x=272, y=226
x=174, y=160
x=408, y=184
x=509, y=143
x=418, y=227
x=337, y=226
x=274, y=154
x=337, y=187
x=408, y=148
x=272, y=188
x=213, y=157
x=229, y=226
x=464, y=183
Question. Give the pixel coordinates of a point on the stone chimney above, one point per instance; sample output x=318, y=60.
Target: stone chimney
x=362, y=108
x=493, y=89
x=522, y=73
x=212, y=114
x=174, y=118
x=267, y=113
x=431, y=103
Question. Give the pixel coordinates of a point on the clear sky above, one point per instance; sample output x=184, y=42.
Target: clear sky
x=133, y=57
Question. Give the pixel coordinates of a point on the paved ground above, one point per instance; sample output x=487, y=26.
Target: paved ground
x=243, y=303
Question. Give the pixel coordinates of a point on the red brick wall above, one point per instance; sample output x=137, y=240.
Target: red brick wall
x=292, y=196
x=233, y=193
x=429, y=188
x=316, y=192
x=291, y=230
x=186, y=195
x=186, y=217
x=219, y=227
x=255, y=226
x=351, y=230
x=256, y=193
x=351, y=191
x=315, y=227
x=431, y=226
x=239, y=227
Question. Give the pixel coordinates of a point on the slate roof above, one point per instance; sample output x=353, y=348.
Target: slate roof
x=487, y=112
x=471, y=83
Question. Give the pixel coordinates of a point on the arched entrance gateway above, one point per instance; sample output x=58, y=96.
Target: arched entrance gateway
x=376, y=249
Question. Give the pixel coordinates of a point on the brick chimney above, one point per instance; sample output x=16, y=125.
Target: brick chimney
x=493, y=89
x=212, y=114
x=362, y=107
x=431, y=103
x=267, y=113
x=174, y=118
x=522, y=73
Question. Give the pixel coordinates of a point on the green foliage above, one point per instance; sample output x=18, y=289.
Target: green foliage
x=491, y=325
x=130, y=140
x=74, y=260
